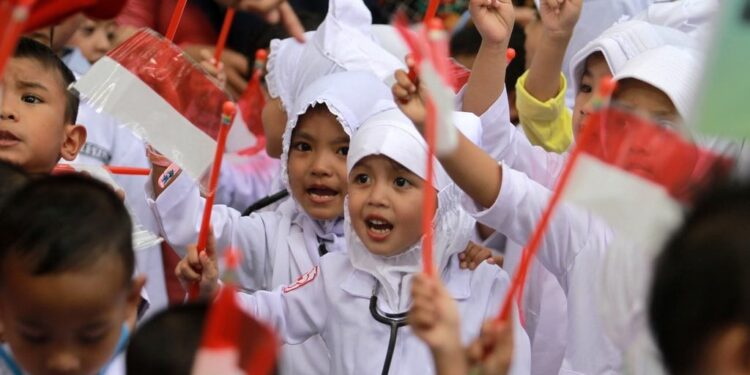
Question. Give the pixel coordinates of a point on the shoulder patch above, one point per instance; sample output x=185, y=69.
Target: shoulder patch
x=302, y=280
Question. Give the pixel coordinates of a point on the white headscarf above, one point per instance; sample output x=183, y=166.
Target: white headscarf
x=392, y=134
x=343, y=42
x=690, y=16
x=624, y=41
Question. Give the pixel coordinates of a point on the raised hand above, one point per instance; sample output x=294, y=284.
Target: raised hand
x=559, y=17
x=493, y=19
x=491, y=353
x=409, y=99
x=434, y=316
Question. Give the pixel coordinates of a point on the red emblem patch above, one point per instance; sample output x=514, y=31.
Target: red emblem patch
x=302, y=280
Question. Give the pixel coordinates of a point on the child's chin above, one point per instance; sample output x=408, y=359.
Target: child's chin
x=324, y=213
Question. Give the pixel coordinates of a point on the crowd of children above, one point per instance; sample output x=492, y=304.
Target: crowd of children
x=333, y=257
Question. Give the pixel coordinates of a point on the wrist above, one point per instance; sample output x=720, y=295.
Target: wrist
x=559, y=36
x=448, y=348
x=495, y=47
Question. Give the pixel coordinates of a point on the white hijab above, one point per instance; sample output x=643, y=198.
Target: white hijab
x=392, y=134
x=625, y=41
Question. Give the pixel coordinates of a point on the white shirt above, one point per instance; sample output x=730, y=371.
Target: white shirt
x=276, y=248
x=333, y=300
x=573, y=250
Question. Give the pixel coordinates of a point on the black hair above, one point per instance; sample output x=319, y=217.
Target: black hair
x=63, y=223
x=12, y=178
x=31, y=49
x=468, y=40
x=701, y=282
x=182, y=327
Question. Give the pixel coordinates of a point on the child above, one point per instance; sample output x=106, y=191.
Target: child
x=94, y=38
x=698, y=303
x=576, y=243
x=38, y=119
x=67, y=297
x=281, y=245
x=387, y=166
x=182, y=326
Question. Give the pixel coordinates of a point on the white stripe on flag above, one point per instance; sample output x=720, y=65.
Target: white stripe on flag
x=631, y=205
x=109, y=87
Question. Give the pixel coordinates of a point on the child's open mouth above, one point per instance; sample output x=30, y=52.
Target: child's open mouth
x=378, y=228
x=7, y=139
x=321, y=194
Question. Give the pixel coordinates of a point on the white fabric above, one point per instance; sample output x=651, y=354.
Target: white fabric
x=573, y=250
x=690, y=16
x=622, y=42
x=670, y=69
x=335, y=304
x=343, y=42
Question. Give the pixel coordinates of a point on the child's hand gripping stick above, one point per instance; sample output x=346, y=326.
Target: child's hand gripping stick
x=227, y=117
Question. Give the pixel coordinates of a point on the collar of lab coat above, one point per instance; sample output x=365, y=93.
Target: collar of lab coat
x=457, y=281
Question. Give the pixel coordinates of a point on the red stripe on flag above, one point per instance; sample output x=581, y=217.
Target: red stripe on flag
x=180, y=81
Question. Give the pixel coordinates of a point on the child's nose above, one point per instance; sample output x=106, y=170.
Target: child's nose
x=378, y=196
x=321, y=166
x=64, y=361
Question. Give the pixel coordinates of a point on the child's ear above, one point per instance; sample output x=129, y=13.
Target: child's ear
x=134, y=300
x=75, y=138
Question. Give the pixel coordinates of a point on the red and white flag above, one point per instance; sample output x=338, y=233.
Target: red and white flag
x=233, y=342
x=149, y=85
x=633, y=174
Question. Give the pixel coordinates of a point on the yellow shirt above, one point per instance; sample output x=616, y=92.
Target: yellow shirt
x=547, y=124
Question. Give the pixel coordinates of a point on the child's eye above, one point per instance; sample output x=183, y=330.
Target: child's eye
x=34, y=338
x=586, y=88
x=302, y=146
x=343, y=151
x=31, y=99
x=92, y=337
x=401, y=182
x=361, y=178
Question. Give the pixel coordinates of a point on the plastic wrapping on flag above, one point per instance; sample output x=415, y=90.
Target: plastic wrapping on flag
x=652, y=152
x=233, y=342
x=150, y=86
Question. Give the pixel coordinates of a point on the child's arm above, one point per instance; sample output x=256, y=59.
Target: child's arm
x=540, y=92
x=558, y=19
x=434, y=318
x=494, y=21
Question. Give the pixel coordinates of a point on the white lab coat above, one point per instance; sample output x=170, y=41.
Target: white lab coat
x=573, y=250
x=333, y=301
x=274, y=246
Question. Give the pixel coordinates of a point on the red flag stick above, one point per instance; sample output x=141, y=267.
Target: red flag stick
x=429, y=197
x=130, y=171
x=222, y=42
x=432, y=8
x=227, y=117
x=18, y=16
x=179, y=9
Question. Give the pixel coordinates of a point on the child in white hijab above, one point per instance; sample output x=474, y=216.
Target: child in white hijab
x=278, y=246
x=357, y=301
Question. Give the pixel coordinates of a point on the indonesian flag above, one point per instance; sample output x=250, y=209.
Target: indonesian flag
x=233, y=342
x=150, y=86
x=637, y=177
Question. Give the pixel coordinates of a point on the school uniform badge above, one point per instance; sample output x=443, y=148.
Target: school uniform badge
x=302, y=280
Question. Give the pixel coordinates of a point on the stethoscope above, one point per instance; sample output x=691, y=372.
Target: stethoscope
x=395, y=321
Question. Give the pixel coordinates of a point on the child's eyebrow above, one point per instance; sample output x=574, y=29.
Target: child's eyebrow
x=31, y=85
x=303, y=135
x=342, y=139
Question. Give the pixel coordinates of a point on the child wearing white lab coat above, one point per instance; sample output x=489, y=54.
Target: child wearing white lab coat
x=281, y=245
x=356, y=301
x=576, y=244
